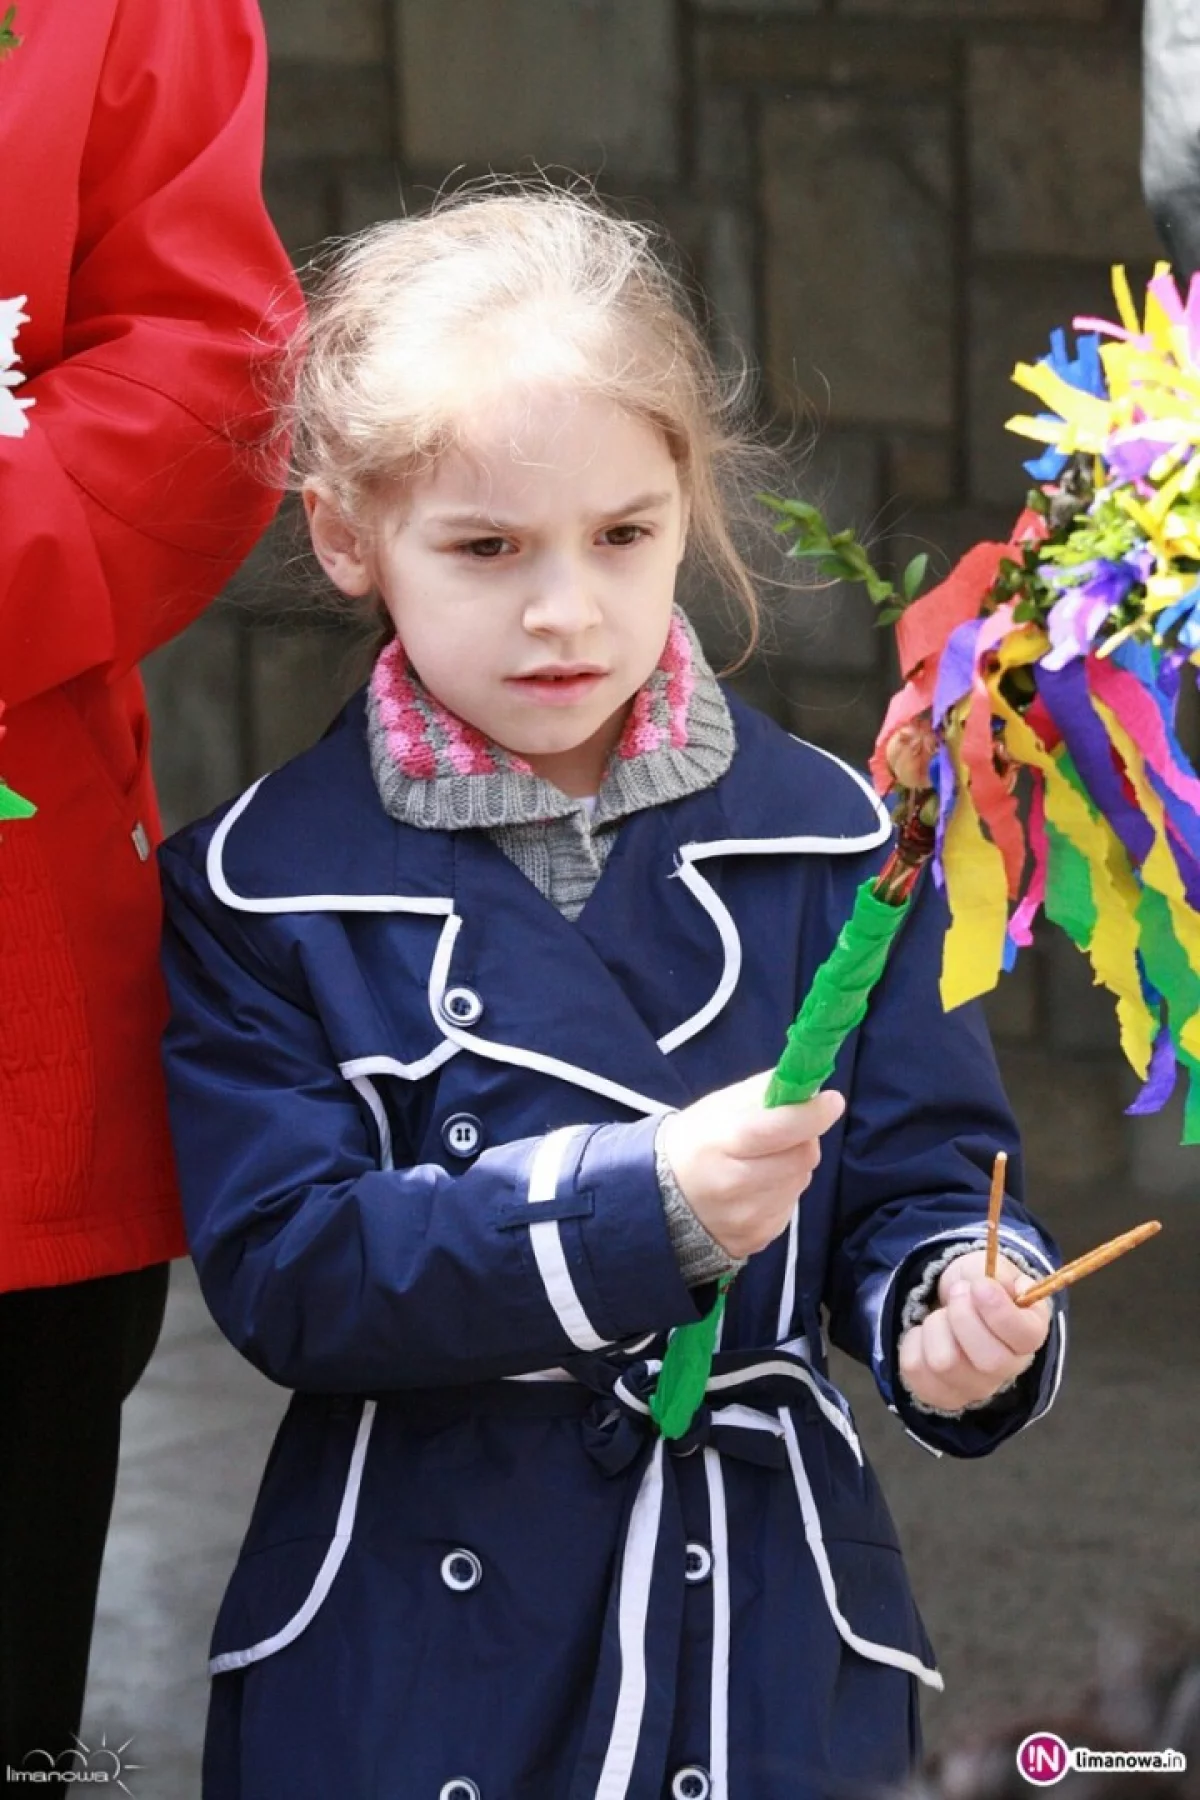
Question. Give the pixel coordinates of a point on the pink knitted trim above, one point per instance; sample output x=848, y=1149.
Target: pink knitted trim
x=423, y=736
x=407, y=717
x=644, y=733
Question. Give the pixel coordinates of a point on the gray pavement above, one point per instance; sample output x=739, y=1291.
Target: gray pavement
x=1090, y=1519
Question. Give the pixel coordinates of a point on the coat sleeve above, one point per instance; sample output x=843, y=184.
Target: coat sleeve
x=1171, y=127
x=926, y=1115
x=334, y=1272
x=134, y=494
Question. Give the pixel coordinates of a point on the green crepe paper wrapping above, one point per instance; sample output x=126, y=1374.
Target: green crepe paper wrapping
x=13, y=805
x=833, y=1006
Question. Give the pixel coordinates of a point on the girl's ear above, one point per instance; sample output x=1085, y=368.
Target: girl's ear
x=337, y=545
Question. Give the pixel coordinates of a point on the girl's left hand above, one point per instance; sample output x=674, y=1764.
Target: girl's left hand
x=976, y=1339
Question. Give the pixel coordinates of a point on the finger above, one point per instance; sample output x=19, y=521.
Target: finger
x=769, y=1131
x=940, y=1346
x=1023, y=1329
x=989, y=1354
x=960, y=1273
x=948, y=1392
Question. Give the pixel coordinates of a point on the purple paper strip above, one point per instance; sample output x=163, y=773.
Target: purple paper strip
x=941, y=772
x=1065, y=695
x=1159, y=1084
x=956, y=671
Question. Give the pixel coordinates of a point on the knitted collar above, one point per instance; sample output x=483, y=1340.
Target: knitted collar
x=435, y=771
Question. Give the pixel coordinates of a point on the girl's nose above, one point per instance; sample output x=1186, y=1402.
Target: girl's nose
x=561, y=603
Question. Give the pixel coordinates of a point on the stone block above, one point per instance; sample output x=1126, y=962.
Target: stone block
x=1012, y=1006
x=297, y=682
x=315, y=110
x=921, y=469
x=1070, y=1117
x=369, y=193
x=1041, y=12
x=728, y=257
x=722, y=140
x=1011, y=314
x=195, y=690
x=758, y=8
x=1078, y=1015
x=943, y=534
x=327, y=31
x=840, y=713
x=1055, y=138
x=300, y=200
x=777, y=53
x=858, y=222
x=589, y=83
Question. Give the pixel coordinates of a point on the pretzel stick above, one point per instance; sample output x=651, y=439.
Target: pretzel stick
x=995, y=1202
x=1088, y=1264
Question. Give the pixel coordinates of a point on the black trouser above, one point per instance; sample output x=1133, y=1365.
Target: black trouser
x=69, y=1356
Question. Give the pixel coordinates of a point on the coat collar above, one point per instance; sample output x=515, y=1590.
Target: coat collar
x=313, y=837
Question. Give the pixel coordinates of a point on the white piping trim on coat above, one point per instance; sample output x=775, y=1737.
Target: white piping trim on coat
x=637, y=1572
x=547, y=1243
x=731, y=945
x=280, y=903
x=787, y=1293
x=883, y=1653
x=525, y=1059
x=339, y=1544
x=391, y=1065
x=828, y=1407
x=718, y=912
x=718, y=1729
x=370, y=1094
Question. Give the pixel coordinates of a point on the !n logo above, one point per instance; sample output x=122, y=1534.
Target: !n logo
x=1043, y=1758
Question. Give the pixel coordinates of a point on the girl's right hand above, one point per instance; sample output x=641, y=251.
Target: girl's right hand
x=742, y=1166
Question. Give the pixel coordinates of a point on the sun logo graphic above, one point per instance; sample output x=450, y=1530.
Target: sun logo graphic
x=105, y=1766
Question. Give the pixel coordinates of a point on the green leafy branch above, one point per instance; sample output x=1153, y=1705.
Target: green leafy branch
x=840, y=556
x=9, y=41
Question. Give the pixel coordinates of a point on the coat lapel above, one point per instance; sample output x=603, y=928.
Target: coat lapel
x=600, y=1002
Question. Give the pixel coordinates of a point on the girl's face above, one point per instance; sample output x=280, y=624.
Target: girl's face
x=530, y=575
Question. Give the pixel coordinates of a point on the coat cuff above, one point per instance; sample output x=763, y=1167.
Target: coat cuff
x=976, y=1430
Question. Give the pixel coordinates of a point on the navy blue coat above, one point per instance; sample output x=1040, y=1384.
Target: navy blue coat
x=414, y=1110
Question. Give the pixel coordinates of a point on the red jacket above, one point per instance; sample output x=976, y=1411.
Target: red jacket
x=131, y=215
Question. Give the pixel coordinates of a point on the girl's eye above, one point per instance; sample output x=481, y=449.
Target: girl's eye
x=485, y=549
x=621, y=535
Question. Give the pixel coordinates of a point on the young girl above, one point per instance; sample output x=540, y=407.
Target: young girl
x=473, y=1008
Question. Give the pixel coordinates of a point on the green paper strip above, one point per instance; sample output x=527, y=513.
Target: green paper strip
x=837, y=999
x=1169, y=970
x=833, y=1006
x=14, y=805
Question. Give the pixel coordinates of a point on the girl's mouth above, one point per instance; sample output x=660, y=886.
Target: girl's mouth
x=556, y=689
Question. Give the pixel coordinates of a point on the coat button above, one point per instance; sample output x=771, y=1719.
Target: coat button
x=462, y=1571
x=462, y=1006
x=697, y=1563
x=462, y=1134
x=460, y=1789
x=691, y=1783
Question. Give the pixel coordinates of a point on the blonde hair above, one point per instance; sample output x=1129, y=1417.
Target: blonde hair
x=388, y=368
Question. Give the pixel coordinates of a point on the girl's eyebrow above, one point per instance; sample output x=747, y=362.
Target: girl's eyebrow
x=471, y=521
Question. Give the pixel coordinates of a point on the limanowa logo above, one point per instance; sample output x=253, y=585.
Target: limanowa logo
x=1044, y=1758
x=105, y=1766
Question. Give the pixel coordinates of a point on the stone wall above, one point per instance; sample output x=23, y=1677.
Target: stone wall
x=887, y=202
